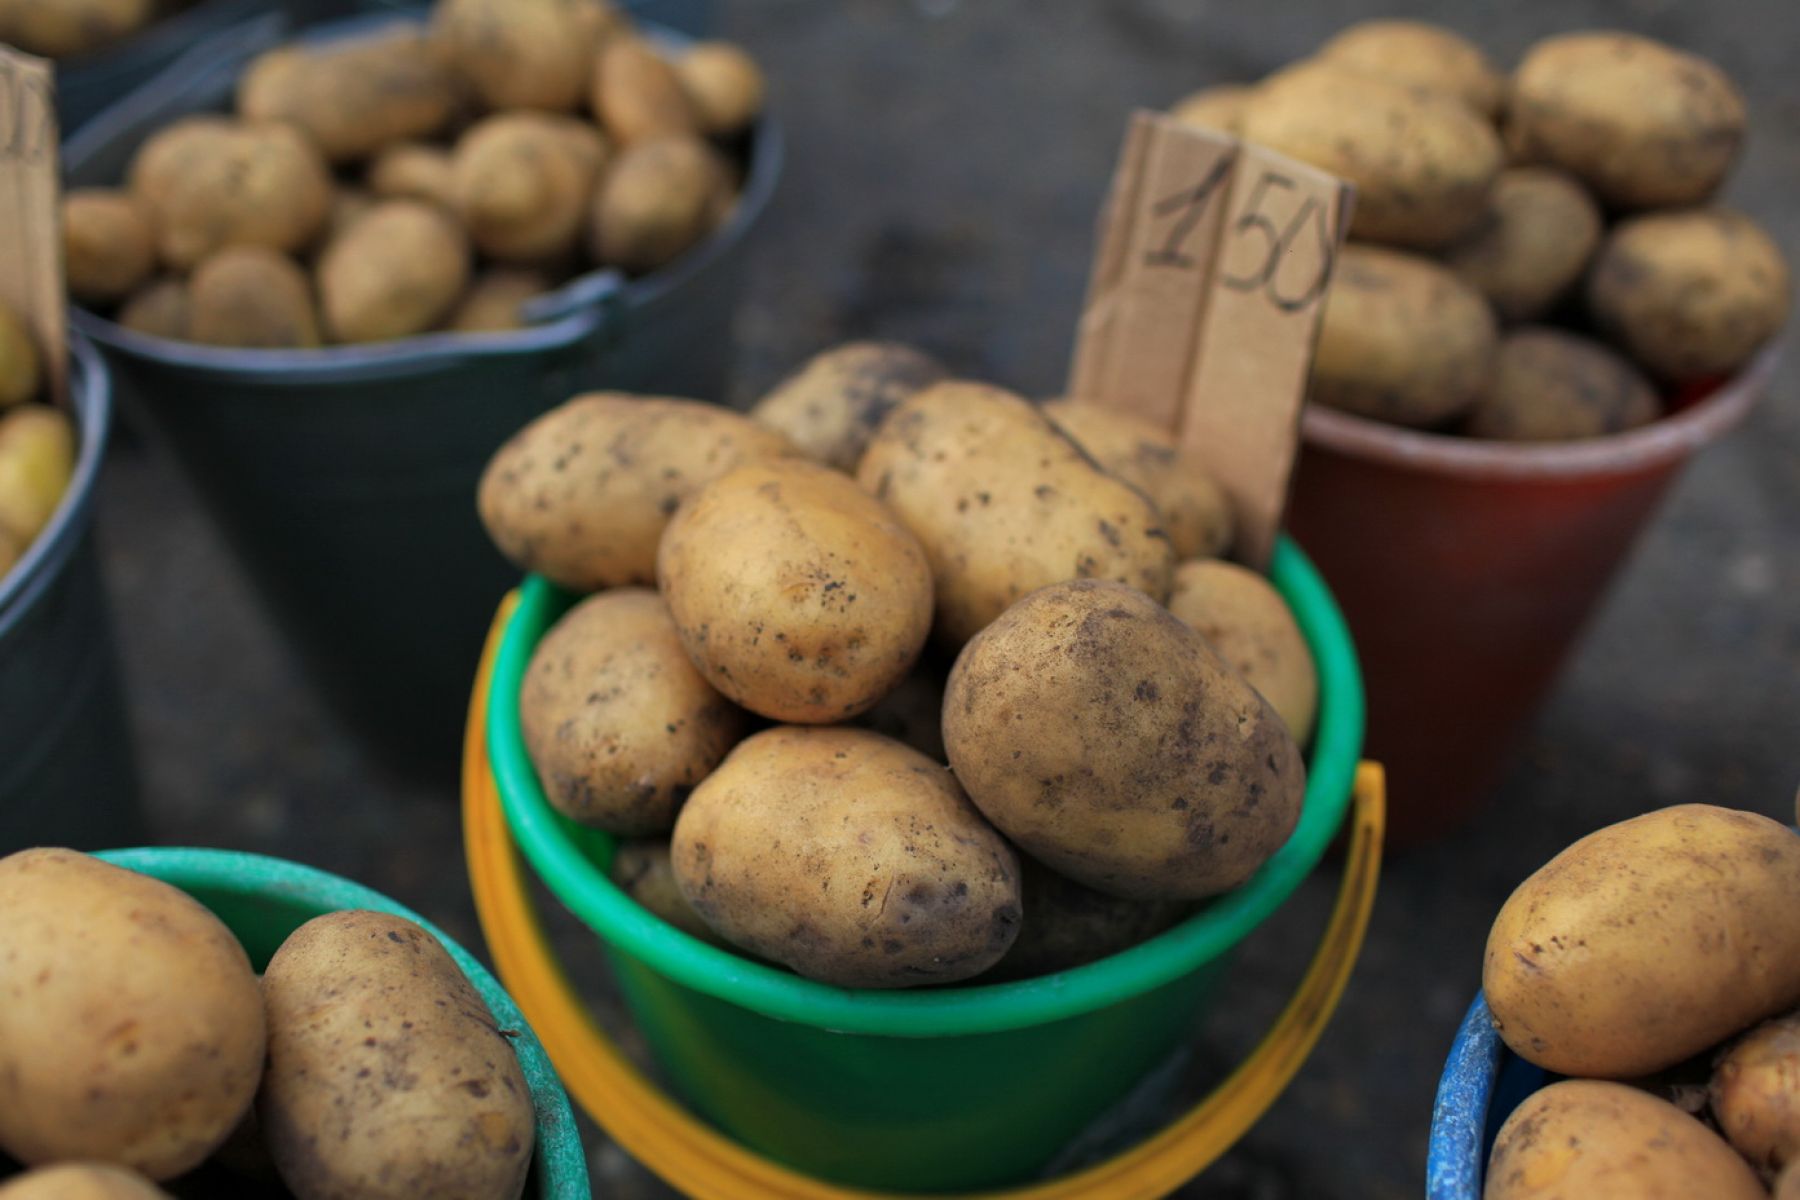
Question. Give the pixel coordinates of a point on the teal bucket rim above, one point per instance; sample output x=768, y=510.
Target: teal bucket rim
x=558, y=1157
x=558, y=852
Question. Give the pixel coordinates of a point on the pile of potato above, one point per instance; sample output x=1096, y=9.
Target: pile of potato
x=1533, y=258
x=901, y=680
x=37, y=445
x=137, y=1043
x=1657, y=964
x=418, y=179
x=70, y=28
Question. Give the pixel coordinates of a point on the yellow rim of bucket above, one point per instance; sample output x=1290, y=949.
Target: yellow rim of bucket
x=703, y=1163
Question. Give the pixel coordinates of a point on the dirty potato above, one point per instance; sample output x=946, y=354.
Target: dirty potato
x=1067, y=926
x=81, y=1181
x=68, y=28
x=637, y=95
x=1627, y=952
x=1004, y=504
x=523, y=182
x=37, y=459
x=109, y=249
x=849, y=858
x=523, y=53
x=1584, y=1139
x=21, y=372
x=496, y=300
x=1755, y=1095
x=797, y=594
x=643, y=870
x=1550, y=386
x=833, y=404
x=1402, y=340
x=1220, y=107
x=1419, y=54
x=131, y=1030
x=617, y=721
x=1248, y=623
x=159, y=309
x=252, y=297
x=1642, y=124
x=1109, y=741
x=413, y=171
x=723, y=85
x=1539, y=233
x=1691, y=295
x=397, y=271
x=659, y=198
x=632, y=458
x=1196, y=513
x=387, y=1076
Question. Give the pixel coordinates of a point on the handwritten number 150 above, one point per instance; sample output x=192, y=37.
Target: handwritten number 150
x=1253, y=221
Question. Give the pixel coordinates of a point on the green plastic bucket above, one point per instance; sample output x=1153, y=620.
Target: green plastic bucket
x=930, y=1090
x=67, y=776
x=264, y=899
x=344, y=478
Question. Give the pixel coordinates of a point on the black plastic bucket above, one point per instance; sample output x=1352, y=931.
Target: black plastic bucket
x=345, y=477
x=67, y=777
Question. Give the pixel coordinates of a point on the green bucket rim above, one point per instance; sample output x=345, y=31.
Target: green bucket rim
x=563, y=855
x=560, y=1162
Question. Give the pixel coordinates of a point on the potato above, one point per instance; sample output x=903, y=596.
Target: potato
x=81, y=1181
x=913, y=712
x=353, y=98
x=387, y=1076
x=131, y=1030
x=636, y=95
x=1109, y=741
x=159, y=309
x=796, y=593
x=108, y=247
x=1549, y=386
x=1642, y=124
x=1755, y=1095
x=21, y=373
x=497, y=299
x=632, y=458
x=660, y=198
x=1646, y=942
x=1589, y=1140
x=848, y=857
x=618, y=722
x=1248, y=623
x=1004, y=504
x=523, y=53
x=1422, y=162
x=1402, y=340
x=1691, y=295
x=1220, y=107
x=250, y=296
x=37, y=459
x=1067, y=925
x=395, y=272
x=523, y=183
x=1538, y=235
x=12, y=549
x=833, y=404
x=642, y=869
x=413, y=171
x=1196, y=514
x=724, y=87
x=209, y=184
x=66, y=28
x=1418, y=54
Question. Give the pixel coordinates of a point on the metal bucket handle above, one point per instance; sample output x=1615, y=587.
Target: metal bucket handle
x=702, y=1163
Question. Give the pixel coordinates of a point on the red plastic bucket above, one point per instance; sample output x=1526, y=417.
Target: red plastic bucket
x=1467, y=569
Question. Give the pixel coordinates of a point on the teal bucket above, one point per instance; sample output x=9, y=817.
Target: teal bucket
x=935, y=1089
x=262, y=900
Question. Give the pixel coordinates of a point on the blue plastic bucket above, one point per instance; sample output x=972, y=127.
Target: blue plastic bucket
x=1482, y=1083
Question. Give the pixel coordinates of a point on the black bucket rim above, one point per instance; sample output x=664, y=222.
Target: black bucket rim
x=90, y=394
x=581, y=308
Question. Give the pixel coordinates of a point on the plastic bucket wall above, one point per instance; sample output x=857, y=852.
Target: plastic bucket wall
x=263, y=900
x=1482, y=1083
x=345, y=478
x=1467, y=570
x=932, y=1089
x=66, y=771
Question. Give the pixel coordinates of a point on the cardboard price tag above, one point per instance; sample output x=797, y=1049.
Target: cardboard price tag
x=1205, y=301
x=31, y=269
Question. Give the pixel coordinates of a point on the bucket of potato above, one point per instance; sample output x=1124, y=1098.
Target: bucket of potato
x=66, y=769
x=228, y=1024
x=1543, y=314
x=918, y=763
x=337, y=272
x=1638, y=1030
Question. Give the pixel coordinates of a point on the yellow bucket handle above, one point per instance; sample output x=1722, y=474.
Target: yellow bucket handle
x=693, y=1158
